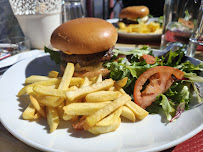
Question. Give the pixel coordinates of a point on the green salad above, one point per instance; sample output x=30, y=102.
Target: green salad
x=176, y=98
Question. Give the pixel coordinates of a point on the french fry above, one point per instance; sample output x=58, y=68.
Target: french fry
x=49, y=101
x=60, y=110
x=67, y=102
x=85, y=83
x=29, y=112
x=76, y=81
x=51, y=81
x=101, y=96
x=127, y=113
x=52, y=101
x=67, y=117
x=30, y=91
x=35, y=78
x=112, y=88
x=52, y=118
x=43, y=90
x=105, y=129
x=120, y=90
x=139, y=112
x=99, y=78
x=53, y=74
x=83, y=108
x=91, y=120
x=110, y=119
x=121, y=82
x=82, y=92
x=36, y=116
x=66, y=79
x=37, y=106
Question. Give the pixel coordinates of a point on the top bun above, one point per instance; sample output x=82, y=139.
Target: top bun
x=134, y=12
x=84, y=36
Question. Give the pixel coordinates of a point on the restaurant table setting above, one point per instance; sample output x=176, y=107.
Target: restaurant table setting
x=19, y=59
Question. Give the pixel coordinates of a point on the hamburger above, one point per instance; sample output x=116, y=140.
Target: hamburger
x=134, y=14
x=87, y=43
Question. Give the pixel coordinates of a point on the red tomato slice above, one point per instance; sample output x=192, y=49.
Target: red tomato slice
x=160, y=79
x=149, y=58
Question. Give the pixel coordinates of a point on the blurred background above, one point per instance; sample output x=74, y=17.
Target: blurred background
x=105, y=9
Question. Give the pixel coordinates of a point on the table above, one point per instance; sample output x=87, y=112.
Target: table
x=8, y=143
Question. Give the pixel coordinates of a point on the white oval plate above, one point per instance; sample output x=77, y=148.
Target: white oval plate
x=150, y=134
x=137, y=36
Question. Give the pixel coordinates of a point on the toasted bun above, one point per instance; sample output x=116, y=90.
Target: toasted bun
x=84, y=36
x=134, y=12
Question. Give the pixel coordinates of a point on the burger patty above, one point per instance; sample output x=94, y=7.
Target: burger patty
x=127, y=21
x=87, y=59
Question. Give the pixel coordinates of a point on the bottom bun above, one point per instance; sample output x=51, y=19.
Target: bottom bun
x=89, y=74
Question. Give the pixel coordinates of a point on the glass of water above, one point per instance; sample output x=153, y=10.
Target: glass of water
x=197, y=36
x=180, y=20
x=37, y=19
x=72, y=9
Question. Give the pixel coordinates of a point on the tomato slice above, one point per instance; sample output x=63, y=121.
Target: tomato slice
x=149, y=58
x=160, y=78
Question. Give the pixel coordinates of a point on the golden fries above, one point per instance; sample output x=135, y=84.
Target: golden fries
x=91, y=120
x=121, y=83
x=95, y=105
x=83, y=108
x=53, y=74
x=52, y=118
x=142, y=28
x=105, y=129
x=82, y=92
x=66, y=79
x=139, y=112
x=51, y=81
x=109, y=120
x=43, y=90
x=37, y=106
x=127, y=113
x=101, y=96
x=29, y=112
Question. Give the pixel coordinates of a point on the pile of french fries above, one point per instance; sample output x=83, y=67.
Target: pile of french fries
x=95, y=105
x=142, y=28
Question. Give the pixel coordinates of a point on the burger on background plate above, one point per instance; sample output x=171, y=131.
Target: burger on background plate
x=134, y=14
x=86, y=42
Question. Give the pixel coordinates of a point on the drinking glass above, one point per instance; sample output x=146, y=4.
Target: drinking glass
x=180, y=20
x=72, y=9
x=13, y=45
x=197, y=36
x=37, y=19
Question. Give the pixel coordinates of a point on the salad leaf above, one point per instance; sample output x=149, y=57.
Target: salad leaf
x=189, y=67
x=173, y=58
x=192, y=77
x=53, y=54
x=196, y=89
x=166, y=106
x=136, y=51
x=173, y=101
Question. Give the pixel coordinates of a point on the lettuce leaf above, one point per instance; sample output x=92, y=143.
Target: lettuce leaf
x=166, y=106
x=54, y=55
